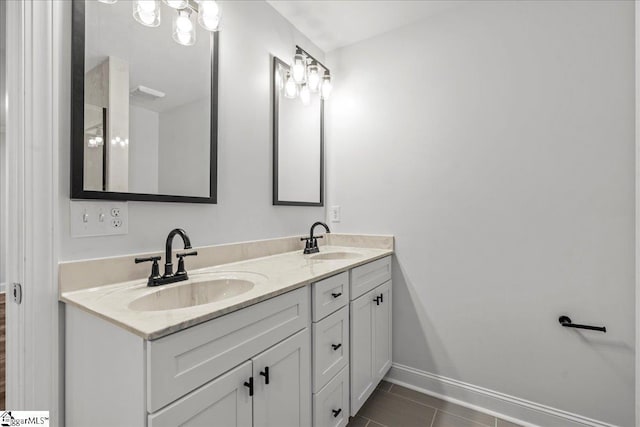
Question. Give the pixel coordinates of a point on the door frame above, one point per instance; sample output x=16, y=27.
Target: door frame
x=33, y=131
x=637, y=205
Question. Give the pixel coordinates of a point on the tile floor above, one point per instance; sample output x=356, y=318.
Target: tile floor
x=391, y=405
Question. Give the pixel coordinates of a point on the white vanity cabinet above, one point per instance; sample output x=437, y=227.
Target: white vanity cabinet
x=370, y=329
x=208, y=374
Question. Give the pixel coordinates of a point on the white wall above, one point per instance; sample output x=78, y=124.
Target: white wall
x=144, y=139
x=252, y=31
x=496, y=142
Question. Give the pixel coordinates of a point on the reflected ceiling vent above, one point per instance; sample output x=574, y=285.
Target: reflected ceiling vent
x=147, y=93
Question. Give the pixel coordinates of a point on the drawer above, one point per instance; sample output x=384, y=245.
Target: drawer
x=329, y=295
x=330, y=347
x=331, y=404
x=183, y=361
x=368, y=276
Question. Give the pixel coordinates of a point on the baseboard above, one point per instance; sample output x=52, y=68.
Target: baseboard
x=509, y=408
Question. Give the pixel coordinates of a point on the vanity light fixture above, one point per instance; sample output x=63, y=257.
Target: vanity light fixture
x=184, y=32
x=305, y=94
x=307, y=75
x=325, y=89
x=147, y=12
x=209, y=15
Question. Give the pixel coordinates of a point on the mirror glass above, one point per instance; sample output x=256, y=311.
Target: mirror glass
x=298, y=145
x=148, y=125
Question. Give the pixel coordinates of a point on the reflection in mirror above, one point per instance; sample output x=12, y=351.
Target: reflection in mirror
x=149, y=104
x=298, y=134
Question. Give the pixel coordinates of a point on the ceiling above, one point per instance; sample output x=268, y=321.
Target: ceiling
x=332, y=24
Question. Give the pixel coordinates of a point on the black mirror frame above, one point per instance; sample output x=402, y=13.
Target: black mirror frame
x=77, y=123
x=275, y=98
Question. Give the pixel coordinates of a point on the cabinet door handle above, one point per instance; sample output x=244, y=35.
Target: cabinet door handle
x=377, y=300
x=336, y=412
x=336, y=295
x=381, y=297
x=265, y=374
x=336, y=346
x=250, y=385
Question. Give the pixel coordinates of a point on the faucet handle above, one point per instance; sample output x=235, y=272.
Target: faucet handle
x=155, y=269
x=182, y=271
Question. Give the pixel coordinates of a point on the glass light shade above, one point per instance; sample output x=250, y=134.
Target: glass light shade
x=327, y=87
x=209, y=15
x=147, y=12
x=299, y=68
x=290, y=87
x=313, y=77
x=305, y=95
x=184, y=31
x=108, y=1
x=176, y=4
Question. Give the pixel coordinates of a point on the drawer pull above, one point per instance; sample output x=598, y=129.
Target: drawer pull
x=381, y=297
x=336, y=412
x=336, y=346
x=250, y=385
x=336, y=295
x=265, y=374
x=377, y=300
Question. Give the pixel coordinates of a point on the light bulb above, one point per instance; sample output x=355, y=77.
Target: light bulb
x=325, y=89
x=313, y=77
x=209, y=15
x=147, y=12
x=299, y=68
x=183, y=29
x=290, y=87
x=305, y=95
x=177, y=4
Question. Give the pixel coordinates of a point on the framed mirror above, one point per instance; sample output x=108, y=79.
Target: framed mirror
x=144, y=102
x=298, y=140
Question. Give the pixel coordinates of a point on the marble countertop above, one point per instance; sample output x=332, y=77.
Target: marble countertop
x=273, y=275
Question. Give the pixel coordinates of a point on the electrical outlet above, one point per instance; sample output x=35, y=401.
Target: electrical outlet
x=335, y=214
x=98, y=218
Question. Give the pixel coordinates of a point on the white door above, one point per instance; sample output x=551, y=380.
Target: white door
x=225, y=401
x=362, y=349
x=282, y=384
x=382, y=331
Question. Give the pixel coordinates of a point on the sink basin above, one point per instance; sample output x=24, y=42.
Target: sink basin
x=335, y=255
x=199, y=289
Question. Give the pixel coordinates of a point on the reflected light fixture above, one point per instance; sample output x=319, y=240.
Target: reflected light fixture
x=209, y=15
x=290, y=87
x=147, y=12
x=177, y=4
x=184, y=32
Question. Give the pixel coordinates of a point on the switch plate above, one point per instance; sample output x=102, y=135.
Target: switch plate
x=335, y=213
x=97, y=218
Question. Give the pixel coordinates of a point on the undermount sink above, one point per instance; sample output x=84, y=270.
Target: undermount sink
x=335, y=255
x=199, y=289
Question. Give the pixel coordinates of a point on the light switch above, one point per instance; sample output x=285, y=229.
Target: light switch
x=89, y=218
x=334, y=214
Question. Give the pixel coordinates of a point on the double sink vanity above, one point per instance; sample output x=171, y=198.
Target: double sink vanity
x=259, y=334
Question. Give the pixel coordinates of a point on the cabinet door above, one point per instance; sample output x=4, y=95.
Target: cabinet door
x=362, y=349
x=224, y=401
x=382, y=331
x=286, y=400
